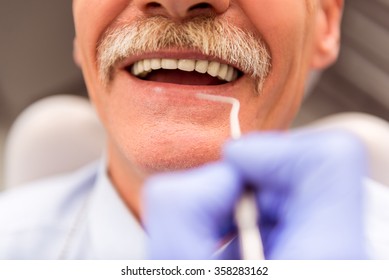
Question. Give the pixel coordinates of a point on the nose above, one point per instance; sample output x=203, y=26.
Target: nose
x=180, y=9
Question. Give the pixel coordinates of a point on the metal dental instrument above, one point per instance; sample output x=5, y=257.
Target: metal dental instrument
x=246, y=212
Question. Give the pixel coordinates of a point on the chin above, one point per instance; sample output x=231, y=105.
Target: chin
x=176, y=163
x=158, y=158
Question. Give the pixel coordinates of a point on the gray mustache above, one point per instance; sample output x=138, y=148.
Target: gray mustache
x=206, y=35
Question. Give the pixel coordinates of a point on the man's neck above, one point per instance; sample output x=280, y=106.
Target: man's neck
x=127, y=182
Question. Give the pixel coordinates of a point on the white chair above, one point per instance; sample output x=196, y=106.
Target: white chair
x=54, y=135
x=373, y=131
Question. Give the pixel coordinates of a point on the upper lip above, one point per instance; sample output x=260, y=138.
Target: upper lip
x=173, y=55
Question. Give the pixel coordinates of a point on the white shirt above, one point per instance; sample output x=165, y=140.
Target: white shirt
x=377, y=219
x=81, y=216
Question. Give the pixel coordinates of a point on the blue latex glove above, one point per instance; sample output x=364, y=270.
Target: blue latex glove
x=308, y=187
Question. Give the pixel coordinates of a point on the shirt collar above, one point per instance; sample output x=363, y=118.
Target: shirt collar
x=113, y=231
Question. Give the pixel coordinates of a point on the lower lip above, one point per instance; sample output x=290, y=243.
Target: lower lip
x=178, y=92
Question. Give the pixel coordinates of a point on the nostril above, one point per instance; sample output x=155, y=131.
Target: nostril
x=153, y=5
x=200, y=6
x=180, y=8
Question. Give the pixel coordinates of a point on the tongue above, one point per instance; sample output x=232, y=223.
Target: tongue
x=182, y=78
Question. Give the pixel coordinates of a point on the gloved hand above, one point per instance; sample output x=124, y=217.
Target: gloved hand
x=308, y=186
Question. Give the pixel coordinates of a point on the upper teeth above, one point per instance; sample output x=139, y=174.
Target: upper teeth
x=213, y=68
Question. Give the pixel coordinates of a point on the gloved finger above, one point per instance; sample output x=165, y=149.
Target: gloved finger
x=259, y=155
x=186, y=213
x=309, y=186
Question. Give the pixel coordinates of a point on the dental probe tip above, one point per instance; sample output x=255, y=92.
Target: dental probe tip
x=234, y=115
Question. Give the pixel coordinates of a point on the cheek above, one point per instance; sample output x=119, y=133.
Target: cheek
x=274, y=16
x=282, y=23
x=91, y=18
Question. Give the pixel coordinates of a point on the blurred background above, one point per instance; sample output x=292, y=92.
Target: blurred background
x=36, y=61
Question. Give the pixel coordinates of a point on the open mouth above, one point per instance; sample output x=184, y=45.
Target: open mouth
x=184, y=71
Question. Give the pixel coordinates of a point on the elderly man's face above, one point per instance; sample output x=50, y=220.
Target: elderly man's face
x=145, y=61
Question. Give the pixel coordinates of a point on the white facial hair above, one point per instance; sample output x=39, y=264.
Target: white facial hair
x=207, y=35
